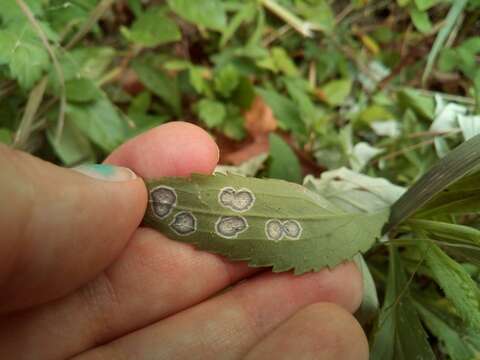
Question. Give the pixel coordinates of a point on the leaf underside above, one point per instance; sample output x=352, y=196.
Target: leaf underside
x=327, y=234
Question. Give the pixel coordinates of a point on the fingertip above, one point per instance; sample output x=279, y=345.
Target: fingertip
x=318, y=331
x=172, y=149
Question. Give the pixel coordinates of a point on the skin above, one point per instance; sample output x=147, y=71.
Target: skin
x=79, y=277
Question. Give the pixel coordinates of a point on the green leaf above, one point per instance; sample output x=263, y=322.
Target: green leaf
x=73, y=147
x=6, y=136
x=459, y=342
x=455, y=282
x=422, y=104
x=456, y=164
x=161, y=84
x=82, y=90
x=24, y=53
x=11, y=11
x=245, y=14
x=283, y=62
x=211, y=112
x=452, y=17
x=153, y=28
x=284, y=110
x=226, y=80
x=423, y=5
x=207, y=13
x=284, y=163
x=335, y=92
x=421, y=20
x=100, y=122
x=266, y=222
x=399, y=334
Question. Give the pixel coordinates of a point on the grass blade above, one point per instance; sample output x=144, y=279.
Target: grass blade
x=456, y=164
x=450, y=20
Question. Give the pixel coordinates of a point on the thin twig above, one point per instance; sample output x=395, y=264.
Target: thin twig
x=58, y=69
x=96, y=14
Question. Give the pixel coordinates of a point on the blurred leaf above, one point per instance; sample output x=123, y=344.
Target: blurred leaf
x=259, y=119
x=82, y=90
x=452, y=17
x=470, y=125
x=399, y=334
x=283, y=62
x=284, y=163
x=423, y=5
x=421, y=20
x=153, y=28
x=161, y=84
x=245, y=14
x=459, y=342
x=247, y=168
x=284, y=109
x=226, y=80
x=422, y=104
x=6, y=136
x=354, y=192
x=24, y=53
x=100, y=122
x=455, y=282
x=317, y=12
x=361, y=155
x=211, y=112
x=335, y=92
x=208, y=13
x=73, y=147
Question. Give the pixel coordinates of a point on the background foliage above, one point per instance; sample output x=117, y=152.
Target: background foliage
x=382, y=88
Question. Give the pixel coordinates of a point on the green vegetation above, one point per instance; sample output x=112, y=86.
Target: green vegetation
x=356, y=95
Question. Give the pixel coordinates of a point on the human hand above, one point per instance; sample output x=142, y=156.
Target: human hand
x=79, y=278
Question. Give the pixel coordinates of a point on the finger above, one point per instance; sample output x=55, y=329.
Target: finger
x=153, y=278
x=320, y=331
x=59, y=228
x=230, y=324
x=173, y=149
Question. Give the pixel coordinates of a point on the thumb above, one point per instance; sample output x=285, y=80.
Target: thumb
x=58, y=227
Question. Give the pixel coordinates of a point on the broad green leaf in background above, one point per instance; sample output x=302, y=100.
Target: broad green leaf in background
x=226, y=80
x=11, y=11
x=335, y=92
x=420, y=19
x=284, y=109
x=82, y=90
x=153, y=28
x=208, y=13
x=211, y=112
x=266, y=222
x=73, y=147
x=457, y=284
x=100, y=122
x=24, y=53
x=283, y=163
x=161, y=84
x=422, y=104
x=399, y=335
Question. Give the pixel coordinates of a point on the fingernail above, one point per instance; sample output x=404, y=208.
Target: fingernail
x=106, y=172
